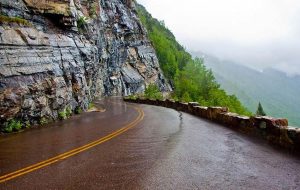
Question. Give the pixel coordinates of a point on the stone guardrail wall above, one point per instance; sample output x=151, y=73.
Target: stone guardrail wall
x=274, y=130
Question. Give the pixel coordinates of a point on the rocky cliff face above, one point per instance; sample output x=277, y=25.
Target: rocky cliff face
x=61, y=54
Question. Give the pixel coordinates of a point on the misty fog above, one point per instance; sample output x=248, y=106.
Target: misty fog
x=258, y=33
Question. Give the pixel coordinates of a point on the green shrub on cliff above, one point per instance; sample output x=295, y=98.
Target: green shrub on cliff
x=91, y=105
x=78, y=110
x=152, y=92
x=12, y=125
x=27, y=124
x=190, y=78
x=43, y=121
x=81, y=22
x=62, y=115
x=69, y=112
x=132, y=97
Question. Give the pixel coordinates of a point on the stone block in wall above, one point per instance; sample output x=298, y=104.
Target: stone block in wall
x=273, y=129
x=245, y=124
x=269, y=125
x=176, y=105
x=139, y=100
x=128, y=100
x=242, y=123
x=212, y=112
x=163, y=103
x=294, y=135
x=297, y=139
x=284, y=140
x=227, y=119
x=191, y=106
x=153, y=102
x=169, y=103
x=160, y=102
x=182, y=107
x=149, y=101
x=144, y=100
x=200, y=111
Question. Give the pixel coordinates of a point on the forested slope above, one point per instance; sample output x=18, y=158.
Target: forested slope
x=191, y=80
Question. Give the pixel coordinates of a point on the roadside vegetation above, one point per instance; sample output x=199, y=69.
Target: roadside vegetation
x=91, y=105
x=78, y=110
x=43, y=121
x=152, y=92
x=12, y=126
x=64, y=114
x=191, y=80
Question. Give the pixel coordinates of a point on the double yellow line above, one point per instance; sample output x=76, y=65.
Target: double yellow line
x=75, y=151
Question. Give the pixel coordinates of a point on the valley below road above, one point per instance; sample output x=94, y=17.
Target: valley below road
x=132, y=146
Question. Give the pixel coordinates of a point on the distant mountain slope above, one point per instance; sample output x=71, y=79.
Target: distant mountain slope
x=278, y=93
x=189, y=77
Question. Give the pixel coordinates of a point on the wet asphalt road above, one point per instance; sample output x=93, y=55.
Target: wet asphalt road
x=166, y=150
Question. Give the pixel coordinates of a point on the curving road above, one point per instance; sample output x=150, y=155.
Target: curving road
x=134, y=146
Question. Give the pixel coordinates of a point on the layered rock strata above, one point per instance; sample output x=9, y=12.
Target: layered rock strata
x=61, y=54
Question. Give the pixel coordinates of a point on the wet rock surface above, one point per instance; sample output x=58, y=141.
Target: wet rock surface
x=70, y=53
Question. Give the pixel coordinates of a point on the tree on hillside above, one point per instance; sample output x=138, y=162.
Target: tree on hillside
x=260, y=111
x=152, y=92
x=186, y=97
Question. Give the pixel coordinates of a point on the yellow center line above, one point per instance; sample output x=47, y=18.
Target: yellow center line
x=75, y=151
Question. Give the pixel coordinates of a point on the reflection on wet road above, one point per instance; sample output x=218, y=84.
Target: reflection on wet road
x=166, y=150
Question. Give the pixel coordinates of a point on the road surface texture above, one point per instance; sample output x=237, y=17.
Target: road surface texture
x=142, y=147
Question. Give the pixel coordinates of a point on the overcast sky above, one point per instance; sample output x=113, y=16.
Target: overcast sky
x=256, y=33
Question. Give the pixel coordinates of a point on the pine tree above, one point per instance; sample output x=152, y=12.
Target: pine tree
x=260, y=111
